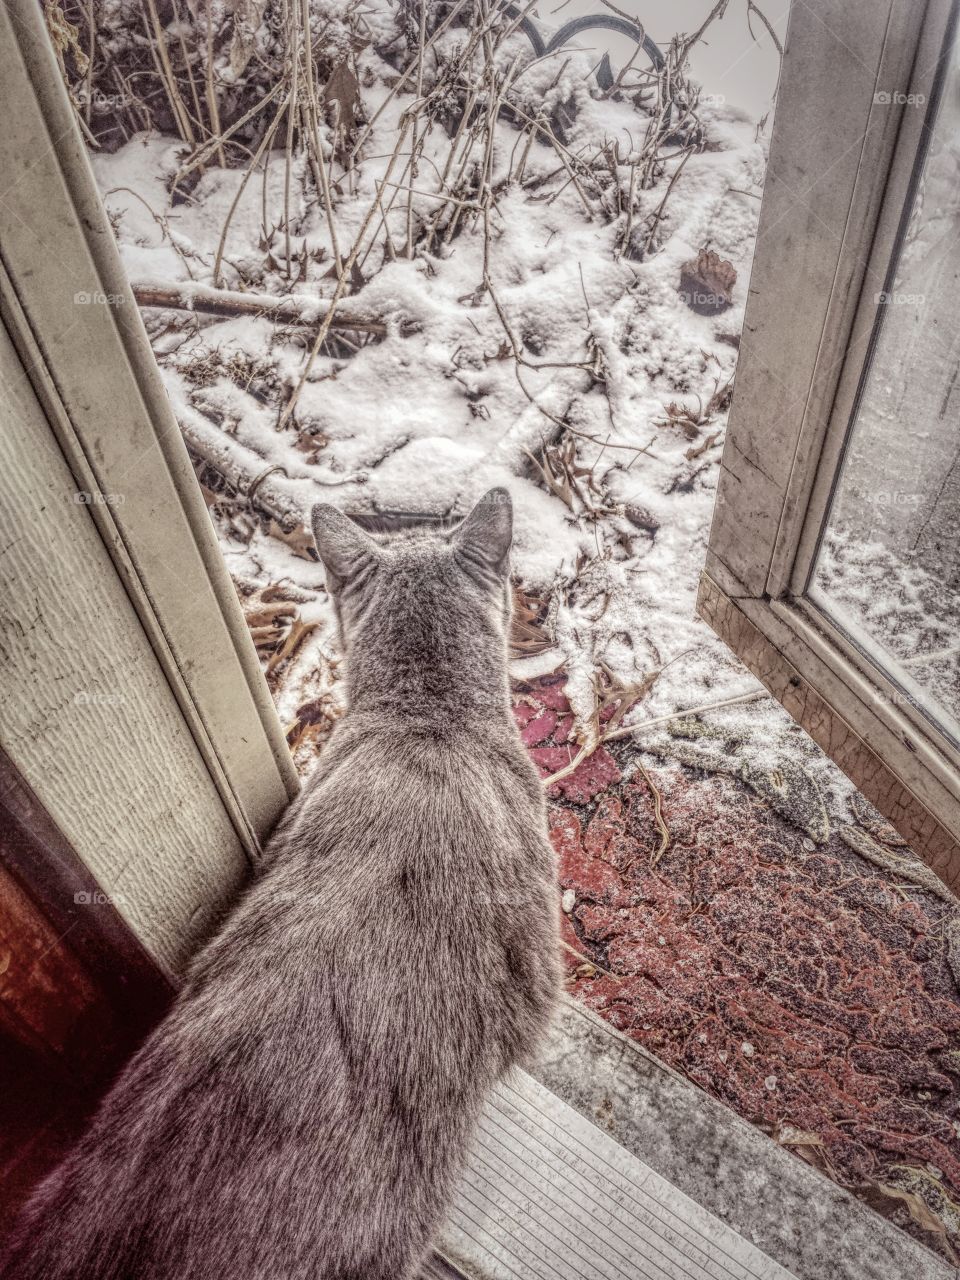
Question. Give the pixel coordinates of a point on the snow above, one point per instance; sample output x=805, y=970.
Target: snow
x=428, y=421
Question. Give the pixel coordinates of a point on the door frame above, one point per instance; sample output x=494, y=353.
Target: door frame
x=857, y=99
x=100, y=428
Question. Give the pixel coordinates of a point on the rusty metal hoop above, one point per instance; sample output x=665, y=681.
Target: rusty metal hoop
x=588, y=22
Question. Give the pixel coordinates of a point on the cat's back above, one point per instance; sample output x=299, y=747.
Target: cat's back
x=426, y=858
x=463, y=793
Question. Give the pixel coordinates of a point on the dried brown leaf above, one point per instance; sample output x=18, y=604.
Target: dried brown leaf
x=706, y=283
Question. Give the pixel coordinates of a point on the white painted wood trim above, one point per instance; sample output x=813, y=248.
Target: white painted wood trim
x=132, y=699
x=86, y=712
x=71, y=315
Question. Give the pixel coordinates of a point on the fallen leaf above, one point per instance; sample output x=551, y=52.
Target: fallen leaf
x=343, y=88
x=247, y=19
x=789, y=1135
x=706, y=283
x=923, y=1216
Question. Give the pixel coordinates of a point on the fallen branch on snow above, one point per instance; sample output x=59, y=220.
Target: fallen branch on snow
x=293, y=309
x=265, y=485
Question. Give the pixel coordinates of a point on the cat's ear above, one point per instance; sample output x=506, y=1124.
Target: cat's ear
x=342, y=546
x=484, y=537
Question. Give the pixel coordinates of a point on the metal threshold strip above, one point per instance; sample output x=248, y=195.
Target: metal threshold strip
x=548, y=1196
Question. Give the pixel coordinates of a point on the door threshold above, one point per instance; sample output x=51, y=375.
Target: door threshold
x=674, y=1186
x=546, y=1194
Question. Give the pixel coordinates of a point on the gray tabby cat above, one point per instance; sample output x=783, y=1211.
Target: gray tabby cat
x=302, y=1111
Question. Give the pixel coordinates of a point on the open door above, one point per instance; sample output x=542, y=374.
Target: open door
x=834, y=563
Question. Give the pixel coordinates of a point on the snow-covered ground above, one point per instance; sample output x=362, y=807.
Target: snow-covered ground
x=608, y=430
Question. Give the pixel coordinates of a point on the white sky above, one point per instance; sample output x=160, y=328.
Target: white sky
x=727, y=63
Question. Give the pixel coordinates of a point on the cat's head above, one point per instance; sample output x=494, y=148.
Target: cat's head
x=425, y=585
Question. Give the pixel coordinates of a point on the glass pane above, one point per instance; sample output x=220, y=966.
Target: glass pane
x=888, y=568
